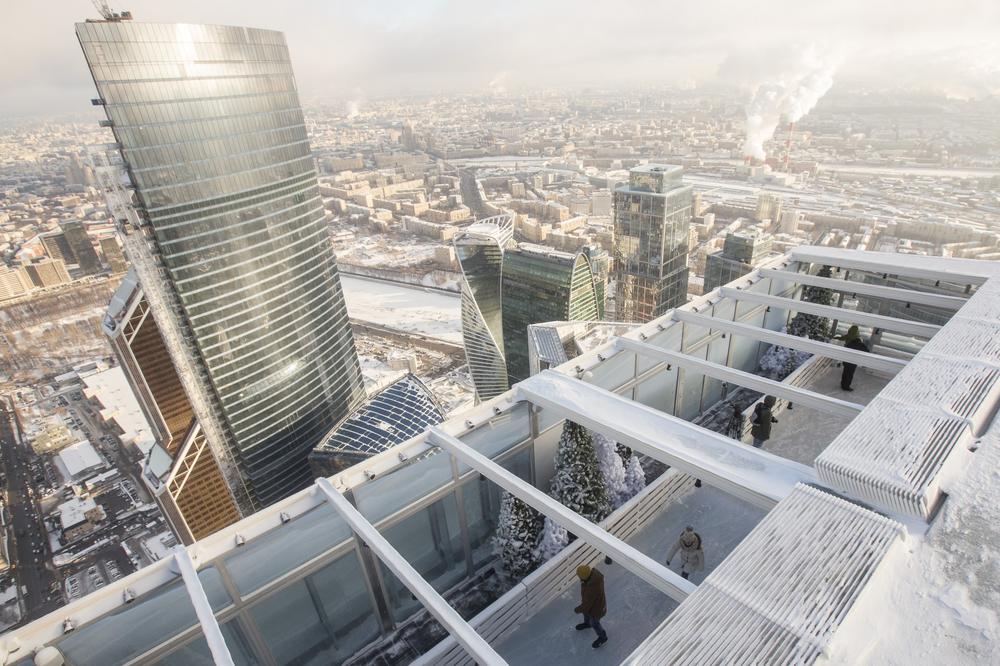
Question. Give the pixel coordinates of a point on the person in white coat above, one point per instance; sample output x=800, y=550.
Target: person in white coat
x=692, y=555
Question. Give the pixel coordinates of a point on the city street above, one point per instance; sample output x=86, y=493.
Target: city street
x=30, y=553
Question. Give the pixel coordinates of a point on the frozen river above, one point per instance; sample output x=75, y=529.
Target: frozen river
x=404, y=307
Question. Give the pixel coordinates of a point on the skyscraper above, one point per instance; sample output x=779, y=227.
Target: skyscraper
x=227, y=205
x=741, y=253
x=480, y=249
x=652, y=218
x=181, y=471
x=79, y=241
x=541, y=284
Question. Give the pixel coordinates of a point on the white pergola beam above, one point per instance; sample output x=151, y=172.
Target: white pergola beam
x=836, y=352
x=865, y=319
x=798, y=395
x=865, y=289
x=202, y=608
x=883, y=262
x=467, y=637
x=752, y=475
x=651, y=571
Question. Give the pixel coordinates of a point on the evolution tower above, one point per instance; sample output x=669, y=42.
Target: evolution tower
x=235, y=259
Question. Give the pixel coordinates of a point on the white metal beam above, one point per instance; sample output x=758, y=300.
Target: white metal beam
x=893, y=264
x=753, y=475
x=865, y=289
x=798, y=395
x=865, y=319
x=654, y=573
x=467, y=637
x=202, y=608
x=836, y=352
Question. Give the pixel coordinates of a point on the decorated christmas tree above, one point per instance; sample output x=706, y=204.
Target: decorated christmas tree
x=517, y=536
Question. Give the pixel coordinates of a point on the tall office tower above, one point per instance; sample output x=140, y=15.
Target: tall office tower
x=47, y=272
x=180, y=470
x=768, y=207
x=479, y=249
x=741, y=253
x=113, y=256
x=652, y=218
x=57, y=247
x=13, y=283
x=232, y=246
x=83, y=250
x=541, y=284
x=600, y=265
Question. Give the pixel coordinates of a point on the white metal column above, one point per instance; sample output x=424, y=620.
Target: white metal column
x=799, y=396
x=753, y=475
x=836, y=352
x=865, y=289
x=467, y=637
x=651, y=571
x=202, y=608
x=863, y=318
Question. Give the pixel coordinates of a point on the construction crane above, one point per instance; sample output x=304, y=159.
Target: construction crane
x=109, y=14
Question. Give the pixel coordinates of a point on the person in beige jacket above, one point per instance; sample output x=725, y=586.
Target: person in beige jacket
x=692, y=556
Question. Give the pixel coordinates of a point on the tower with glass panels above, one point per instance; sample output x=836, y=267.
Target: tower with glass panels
x=208, y=123
x=652, y=218
x=541, y=284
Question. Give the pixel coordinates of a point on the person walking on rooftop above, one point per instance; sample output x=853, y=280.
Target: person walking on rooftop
x=692, y=555
x=763, y=417
x=593, y=604
x=852, y=340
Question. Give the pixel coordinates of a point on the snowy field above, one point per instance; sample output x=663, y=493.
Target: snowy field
x=404, y=308
x=635, y=608
x=802, y=434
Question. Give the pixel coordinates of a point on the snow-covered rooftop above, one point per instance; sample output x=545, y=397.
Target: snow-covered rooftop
x=80, y=457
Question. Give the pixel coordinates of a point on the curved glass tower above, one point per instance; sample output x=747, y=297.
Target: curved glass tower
x=480, y=248
x=208, y=122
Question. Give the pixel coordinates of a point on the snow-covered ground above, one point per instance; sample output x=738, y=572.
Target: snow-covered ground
x=634, y=607
x=404, y=308
x=801, y=434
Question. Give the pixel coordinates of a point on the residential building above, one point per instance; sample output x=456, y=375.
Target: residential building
x=113, y=255
x=47, y=273
x=652, y=217
x=14, y=283
x=768, y=207
x=83, y=249
x=57, y=247
x=741, y=253
x=230, y=239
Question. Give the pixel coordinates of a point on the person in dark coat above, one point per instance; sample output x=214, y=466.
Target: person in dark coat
x=593, y=604
x=852, y=340
x=763, y=417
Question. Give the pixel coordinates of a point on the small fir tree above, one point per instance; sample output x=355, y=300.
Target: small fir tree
x=813, y=326
x=577, y=482
x=635, y=478
x=516, y=540
x=612, y=468
x=554, y=538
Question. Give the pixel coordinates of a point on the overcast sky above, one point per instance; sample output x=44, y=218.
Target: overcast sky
x=374, y=48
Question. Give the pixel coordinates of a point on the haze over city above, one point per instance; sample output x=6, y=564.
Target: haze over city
x=502, y=333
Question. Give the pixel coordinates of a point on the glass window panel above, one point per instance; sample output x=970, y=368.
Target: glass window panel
x=481, y=500
x=268, y=556
x=403, y=486
x=196, y=653
x=322, y=619
x=431, y=541
x=614, y=372
x=500, y=433
x=142, y=625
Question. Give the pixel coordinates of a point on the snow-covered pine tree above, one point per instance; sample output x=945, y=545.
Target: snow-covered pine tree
x=577, y=482
x=612, y=468
x=809, y=325
x=554, y=538
x=516, y=540
x=778, y=362
x=635, y=478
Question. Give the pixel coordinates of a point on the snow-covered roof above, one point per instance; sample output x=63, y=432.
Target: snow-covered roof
x=74, y=511
x=80, y=457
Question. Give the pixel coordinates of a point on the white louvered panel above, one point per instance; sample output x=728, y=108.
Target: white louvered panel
x=779, y=597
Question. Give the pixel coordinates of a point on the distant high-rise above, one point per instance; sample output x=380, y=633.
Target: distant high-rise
x=180, y=470
x=539, y=285
x=652, y=218
x=768, y=207
x=83, y=250
x=479, y=249
x=209, y=126
x=47, y=273
x=113, y=254
x=741, y=253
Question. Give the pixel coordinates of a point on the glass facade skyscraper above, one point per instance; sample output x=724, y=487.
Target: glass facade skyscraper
x=652, y=219
x=208, y=122
x=539, y=285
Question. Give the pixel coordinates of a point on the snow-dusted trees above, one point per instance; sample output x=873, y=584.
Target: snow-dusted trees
x=516, y=540
x=554, y=538
x=635, y=478
x=778, y=362
x=809, y=325
x=612, y=468
x=577, y=481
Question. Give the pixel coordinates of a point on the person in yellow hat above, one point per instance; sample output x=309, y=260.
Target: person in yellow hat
x=593, y=604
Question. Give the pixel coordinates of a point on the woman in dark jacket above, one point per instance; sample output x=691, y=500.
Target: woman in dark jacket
x=852, y=340
x=762, y=420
